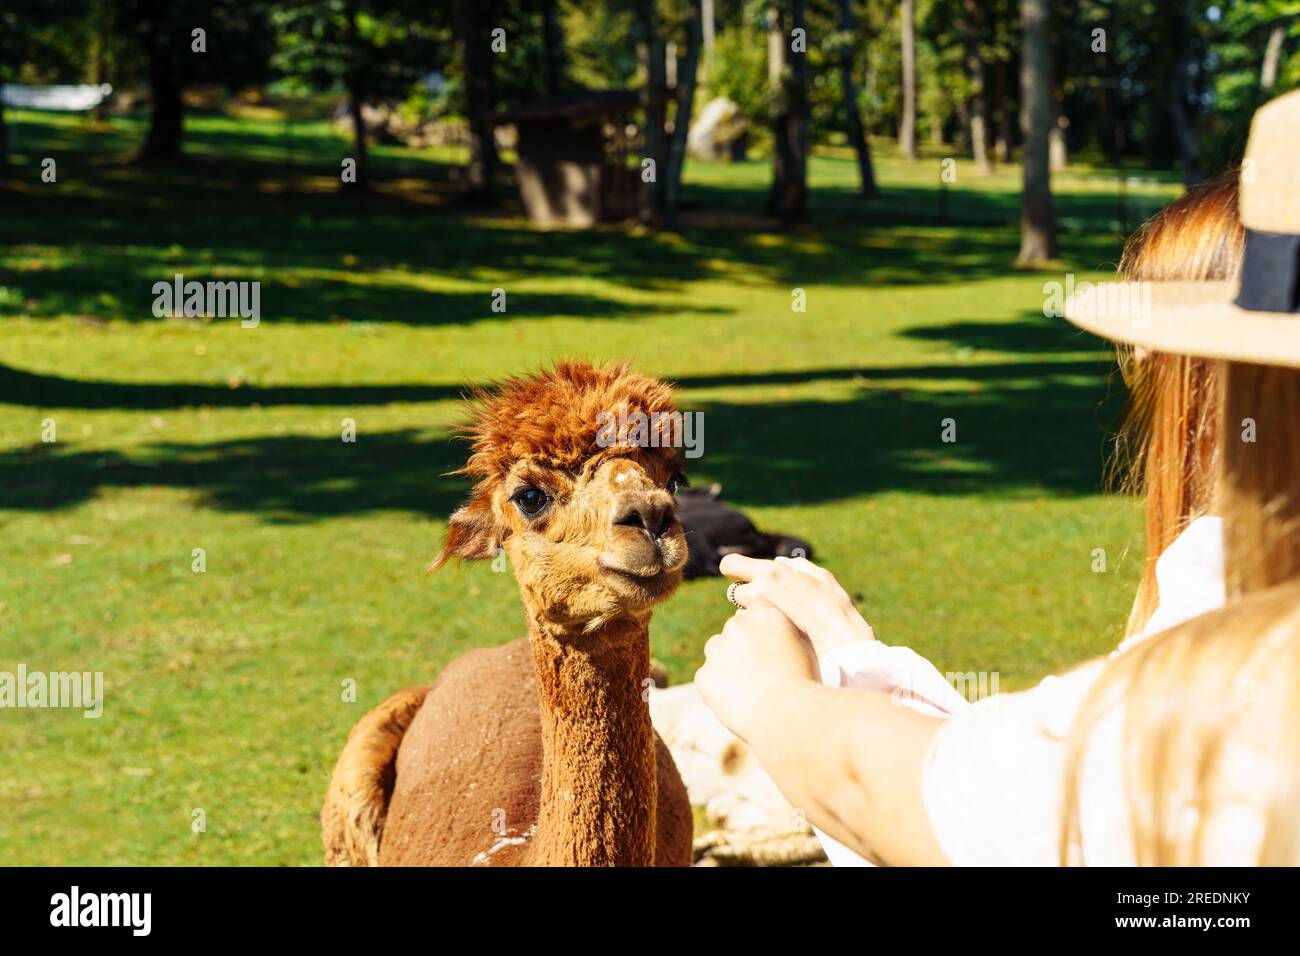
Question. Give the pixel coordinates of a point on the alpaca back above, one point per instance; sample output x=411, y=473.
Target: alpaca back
x=469, y=769
x=469, y=772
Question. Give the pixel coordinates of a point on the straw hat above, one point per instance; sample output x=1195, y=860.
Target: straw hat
x=1254, y=320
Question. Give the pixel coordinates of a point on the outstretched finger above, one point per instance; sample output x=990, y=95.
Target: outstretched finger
x=802, y=565
x=740, y=567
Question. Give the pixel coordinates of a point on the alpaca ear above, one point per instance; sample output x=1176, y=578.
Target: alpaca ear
x=472, y=532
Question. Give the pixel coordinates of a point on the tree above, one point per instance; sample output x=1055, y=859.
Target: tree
x=106, y=49
x=849, y=90
x=375, y=49
x=650, y=55
x=191, y=41
x=940, y=70
x=979, y=106
x=475, y=60
x=1272, y=56
x=788, y=81
x=167, y=114
x=1185, y=89
x=708, y=35
x=1003, y=52
x=1037, y=223
x=553, y=47
x=907, y=121
x=1255, y=48
x=686, y=78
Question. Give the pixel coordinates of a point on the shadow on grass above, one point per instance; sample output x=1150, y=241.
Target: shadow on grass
x=1030, y=333
x=322, y=256
x=1025, y=428
x=121, y=227
x=19, y=387
x=284, y=478
x=121, y=288
x=1013, y=437
x=1021, y=427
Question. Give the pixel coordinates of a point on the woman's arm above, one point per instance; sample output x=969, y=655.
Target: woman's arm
x=852, y=760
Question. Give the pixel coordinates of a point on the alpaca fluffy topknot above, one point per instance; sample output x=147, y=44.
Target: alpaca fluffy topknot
x=554, y=416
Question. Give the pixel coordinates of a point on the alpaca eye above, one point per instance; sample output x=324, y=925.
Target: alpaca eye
x=675, y=483
x=531, y=501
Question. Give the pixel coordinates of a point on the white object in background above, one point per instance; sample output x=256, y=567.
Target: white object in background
x=69, y=98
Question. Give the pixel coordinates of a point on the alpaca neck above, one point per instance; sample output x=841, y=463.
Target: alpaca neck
x=598, y=775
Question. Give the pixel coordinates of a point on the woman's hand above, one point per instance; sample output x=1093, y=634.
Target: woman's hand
x=852, y=761
x=756, y=659
x=807, y=594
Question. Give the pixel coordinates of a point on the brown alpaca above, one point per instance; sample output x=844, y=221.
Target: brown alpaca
x=539, y=752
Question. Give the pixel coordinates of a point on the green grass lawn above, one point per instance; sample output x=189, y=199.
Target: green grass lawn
x=224, y=689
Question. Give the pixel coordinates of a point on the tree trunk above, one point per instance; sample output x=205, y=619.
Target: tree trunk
x=553, y=43
x=1185, y=127
x=1115, y=149
x=4, y=138
x=1272, y=56
x=1037, y=223
x=650, y=53
x=853, y=120
x=979, y=107
x=1183, y=95
x=788, y=72
x=936, y=130
x=708, y=24
x=99, y=74
x=907, y=123
x=476, y=67
x=167, y=117
x=796, y=203
x=776, y=60
x=686, y=77
x=355, y=102
x=1005, y=128
x=1114, y=146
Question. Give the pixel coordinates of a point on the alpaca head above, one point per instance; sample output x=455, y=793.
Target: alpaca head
x=586, y=515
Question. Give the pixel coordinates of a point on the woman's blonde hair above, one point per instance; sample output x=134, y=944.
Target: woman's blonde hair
x=1220, y=436
x=1259, y=486
x=1194, y=699
x=1167, y=446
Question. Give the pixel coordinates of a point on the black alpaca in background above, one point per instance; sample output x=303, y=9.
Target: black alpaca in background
x=713, y=529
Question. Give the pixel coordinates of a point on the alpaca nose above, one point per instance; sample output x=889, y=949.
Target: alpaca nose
x=653, y=517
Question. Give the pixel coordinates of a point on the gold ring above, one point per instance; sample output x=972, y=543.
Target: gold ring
x=731, y=594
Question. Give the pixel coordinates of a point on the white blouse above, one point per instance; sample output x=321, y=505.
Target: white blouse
x=994, y=776
x=1189, y=578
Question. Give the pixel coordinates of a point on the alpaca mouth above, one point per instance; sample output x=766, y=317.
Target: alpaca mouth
x=637, y=574
x=642, y=557
x=642, y=582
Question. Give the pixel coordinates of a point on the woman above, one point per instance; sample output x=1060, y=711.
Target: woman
x=1183, y=751
x=1001, y=781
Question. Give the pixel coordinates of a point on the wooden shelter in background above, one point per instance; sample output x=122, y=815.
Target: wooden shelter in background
x=572, y=157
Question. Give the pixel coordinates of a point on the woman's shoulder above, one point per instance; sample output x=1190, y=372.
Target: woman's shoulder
x=1189, y=575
